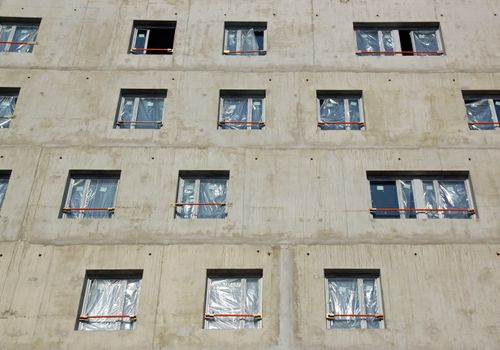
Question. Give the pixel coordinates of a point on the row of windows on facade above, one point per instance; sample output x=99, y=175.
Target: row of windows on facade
x=336, y=110
x=233, y=300
x=249, y=38
x=203, y=195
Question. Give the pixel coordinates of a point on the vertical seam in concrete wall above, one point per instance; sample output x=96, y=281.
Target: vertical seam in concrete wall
x=159, y=285
x=286, y=314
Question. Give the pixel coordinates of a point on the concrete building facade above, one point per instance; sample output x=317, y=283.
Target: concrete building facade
x=298, y=197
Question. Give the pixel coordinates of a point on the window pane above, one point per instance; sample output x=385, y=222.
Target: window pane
x=101, y=194
x=407, y=198
x=188, y=196
x=224, y=298
x=252, y=301
x=332, y=110
x=4, y=182
x=249, y=43
x=24, y=34
x=371, y=301
x=453, y=194
x=354, y=113
x=257, y=113
x=140, y=40
x=388, y=40
x=367, y=40
x=7, y=106
x=5, y=32
x=149, y=113
x=384, y=195
x=232, y=40
x=76, y=199
x=126, y=112
x=425, y=40
x=212, y=191
x=343, y=299
x=479, y=111
x=259, y=36
x=430, y=199
x=234, y=110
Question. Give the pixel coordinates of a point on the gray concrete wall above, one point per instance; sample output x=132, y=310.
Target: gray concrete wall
x=293, y=189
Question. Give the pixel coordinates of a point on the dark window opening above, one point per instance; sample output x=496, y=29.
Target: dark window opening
x=406, y=44
x=152, y=38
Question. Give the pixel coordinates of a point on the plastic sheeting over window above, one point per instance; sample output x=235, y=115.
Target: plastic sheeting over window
x=480, y=111
x=375, y=41
x=18, y=37
x=340, y=113
x=7, y=106
x=207, y=196
x=453, y=195
x=141, y=112
x=4, y=182
x=236, y=113
x=91, y=193
x=239, y=296
x=425, y=41
x=247, y=42
x=353, y=296
x=110, y=297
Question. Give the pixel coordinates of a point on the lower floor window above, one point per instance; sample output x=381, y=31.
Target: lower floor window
x=353, y=299
x=110, y=300
x=233, y=300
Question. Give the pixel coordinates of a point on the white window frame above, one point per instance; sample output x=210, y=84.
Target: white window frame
x=88, y=179
x=135, y=112
x=250, y=98
x=180, y=192
x=347, y=116
x=243, y=278
x=418, y=193
x=438, y=39
x=239, y=30
x=148, y=28
x=491, y=102
x=124, y=282
x=361, y=297
x=11, y=35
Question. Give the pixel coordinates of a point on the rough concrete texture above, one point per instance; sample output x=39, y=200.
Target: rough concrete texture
x=293, y=189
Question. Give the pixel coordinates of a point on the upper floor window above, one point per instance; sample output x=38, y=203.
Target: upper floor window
x=202, y=195
x=233, y=299
x=90, y=195
x=408, y=39
x=141, y=109
x=110, y=300
x=353, y=299
x=245, y=38
x=4, y=183
x=424, y=196
x=18, y=35
x=8, y=100
x=482, y=111
x=242, y=109
x=153, y=38
x=340, y=110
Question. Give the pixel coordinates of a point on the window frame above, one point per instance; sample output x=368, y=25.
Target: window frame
x=250, y=97
x=244, y=26
x=137, y=95
x=359, y=275
x=347, y=112
x=88, y=177
x=243, y=276
x=4, y=175
x=395, y=29
x=9, y=92
x=19, y=23
x=143, y=25
x=492, y=97
x=198, y=176
x=419, y=197
x=124, y=276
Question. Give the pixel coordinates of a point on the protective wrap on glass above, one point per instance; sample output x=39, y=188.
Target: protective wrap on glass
x=343, y=299
x=4, y=182
x=367, y=40
x=234, y=110
x=212, y=191
x=188, y=196
x=257, y=105
x=25, y=34
x=425, y=40
x=99, y=193
x=127, y=112
x=249, y=42
x=479, y=112
x=371, y=301
x=7, y=106
x=453, y=194
x=228, y=296
x=388, y=41
x=407, y=198
x=5, y=34
x=149, y=113
x=430, y=199
x=111, y=298
x=332, y=110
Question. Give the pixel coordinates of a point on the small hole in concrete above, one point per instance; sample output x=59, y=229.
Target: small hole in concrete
x=149, y=254
x=307, y=254
x=29, y=77
x=60, y=157
x=453, y=80
x=317, y=15
x=377, y=15
x=2, y=255
x=498, y=254
x=87, y=78
x=389, y=79
x=441, y=15
x=311, y=158
x=274, y=14
x=495, y=14
x=175, y=13
x=256, y=158
x=307, y=79
x=152, y=158
x=22, y=8
x=399, y=158
x=415, y=254
x=269, y=253
x=270, y=79
x=258, y=251
x=39, y=254
x=74, y=9
x=225, y=15
x=1, y=156
x=173, y=78
x=470, y=159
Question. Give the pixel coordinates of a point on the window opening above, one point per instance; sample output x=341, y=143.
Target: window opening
x=482, y=111
x=141, y=110
x=247, y=39
x=8, y=100
x=340, y=112
x=150, y=38
x=18, y=36
x=242, y=110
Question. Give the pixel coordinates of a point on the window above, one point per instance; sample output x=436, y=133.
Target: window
x=340, y=110
x=90, y=195
x=482, y=111
x=18, y=35
x=202, y=195
x=353, y=299
x=110, y=300
x=242, y=110
x=8, y=100
x=409, y=39
x=153, y=38
x=141, y=109
x=4, y=183
x=247, y=39
x=437, y=196
x=233, y=299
